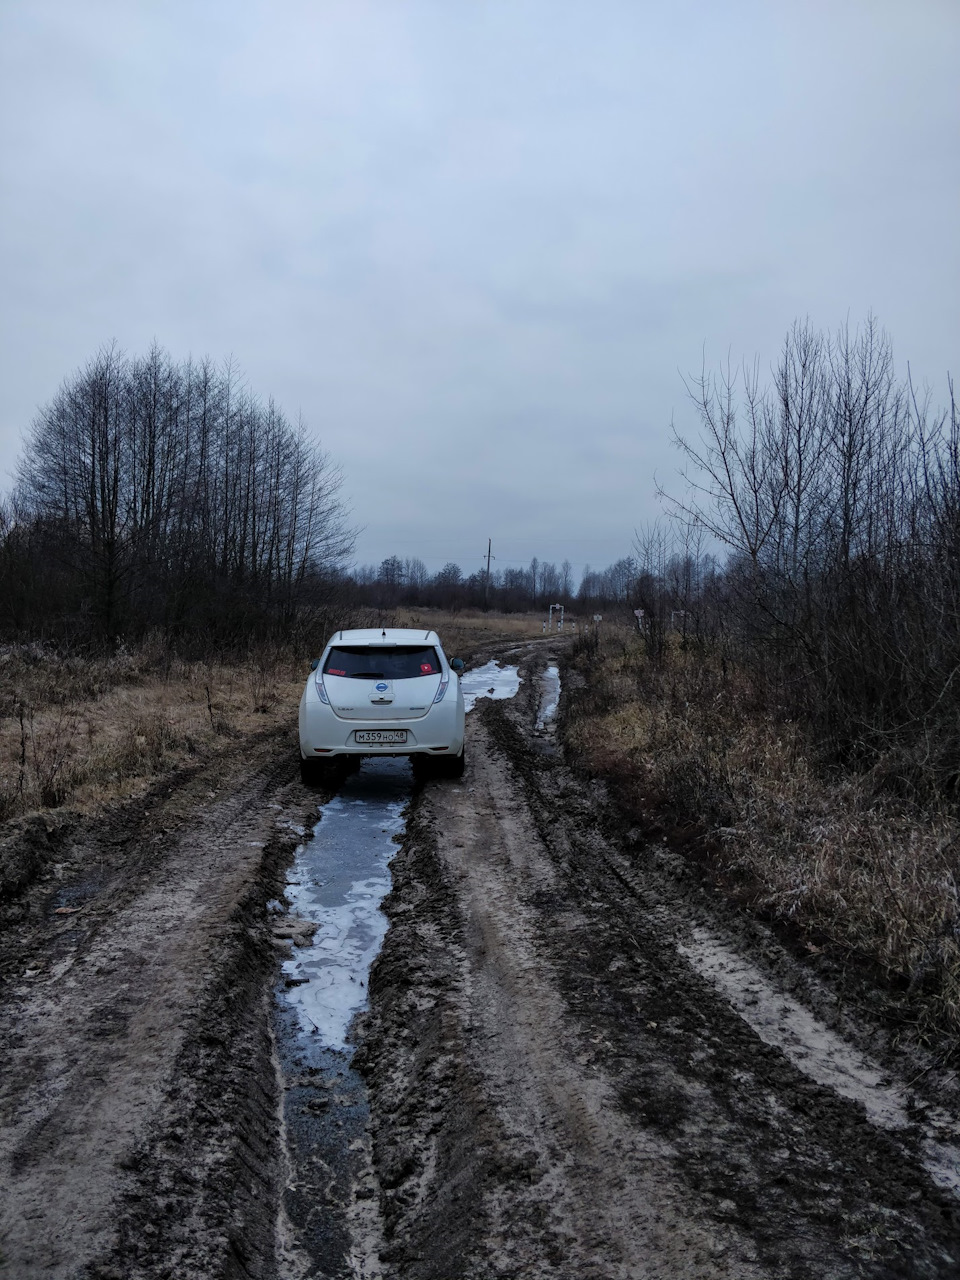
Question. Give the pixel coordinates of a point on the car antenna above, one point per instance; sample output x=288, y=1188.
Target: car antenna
x=383, y=633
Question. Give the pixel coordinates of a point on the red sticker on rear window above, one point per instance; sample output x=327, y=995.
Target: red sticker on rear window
x=426, y=668
x=335, y=671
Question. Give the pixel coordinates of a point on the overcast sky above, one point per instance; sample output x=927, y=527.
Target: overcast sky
x=475, y=242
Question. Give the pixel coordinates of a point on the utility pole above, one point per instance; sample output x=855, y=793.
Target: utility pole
x=486, y=580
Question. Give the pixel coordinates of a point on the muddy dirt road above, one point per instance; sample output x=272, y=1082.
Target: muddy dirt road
x=577, y=1060
x=139, y=1098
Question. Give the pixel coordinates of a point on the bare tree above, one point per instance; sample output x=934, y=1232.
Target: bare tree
x=178, y=499
x=835, y=492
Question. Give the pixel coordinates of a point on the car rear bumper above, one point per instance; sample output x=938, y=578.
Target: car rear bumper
x=322, y=734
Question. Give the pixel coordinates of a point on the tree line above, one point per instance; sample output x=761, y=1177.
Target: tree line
x=153, y=494
x=397, y=581
x=834, y=492
x=158, y=494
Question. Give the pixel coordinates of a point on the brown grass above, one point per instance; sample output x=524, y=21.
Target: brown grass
x=692, y=751
x=463, y=632
x=85, y=732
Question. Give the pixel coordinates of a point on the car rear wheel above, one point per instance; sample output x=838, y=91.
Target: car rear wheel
x=439, y=766
x=311, y=772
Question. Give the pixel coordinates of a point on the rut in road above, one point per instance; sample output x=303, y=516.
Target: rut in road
x=556, y=1091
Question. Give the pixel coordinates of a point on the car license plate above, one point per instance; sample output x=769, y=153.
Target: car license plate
x=383, y=737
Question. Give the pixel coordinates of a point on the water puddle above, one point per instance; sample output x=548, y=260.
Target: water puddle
x=338, y=881
x=549, y=697
x=489, y=681
x=823, y=1056
x=334, y=891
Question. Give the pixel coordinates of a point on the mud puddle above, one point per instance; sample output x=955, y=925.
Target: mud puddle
x=335, y=887
x=337, y=883
x=492, y=680
x=823, y=1056
x=549, y=690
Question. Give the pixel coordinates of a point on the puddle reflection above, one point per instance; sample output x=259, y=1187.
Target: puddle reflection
x=489, y=681
x=337, y=882
x=549, y=696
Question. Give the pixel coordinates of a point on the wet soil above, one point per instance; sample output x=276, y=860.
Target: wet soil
x=558, y=1091
x=138, y=1083
x=550, y=1080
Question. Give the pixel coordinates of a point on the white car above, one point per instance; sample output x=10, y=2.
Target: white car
x=383, y=692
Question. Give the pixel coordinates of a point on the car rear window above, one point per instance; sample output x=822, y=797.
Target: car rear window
x=399, y=662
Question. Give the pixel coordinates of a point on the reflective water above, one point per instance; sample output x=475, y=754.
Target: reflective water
x=549, y=696
x=338, y=881
x=489, y=681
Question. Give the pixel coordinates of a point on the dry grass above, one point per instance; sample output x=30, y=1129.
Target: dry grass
x=463, y=632
x=85, y=732
x=691, y=751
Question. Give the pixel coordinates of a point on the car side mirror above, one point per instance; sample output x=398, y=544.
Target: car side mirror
x=314, y=664
x=457, y=665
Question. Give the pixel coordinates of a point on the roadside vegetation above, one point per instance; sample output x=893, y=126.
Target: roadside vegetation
x=695, y=755
x=793, y=712
x=85, y=731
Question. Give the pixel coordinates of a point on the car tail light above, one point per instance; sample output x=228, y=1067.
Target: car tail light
x=320, y=689
x=442, y=690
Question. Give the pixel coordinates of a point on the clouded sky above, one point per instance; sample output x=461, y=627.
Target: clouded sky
x=475, y=242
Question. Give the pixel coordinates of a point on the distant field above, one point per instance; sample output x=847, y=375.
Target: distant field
x=463, y=632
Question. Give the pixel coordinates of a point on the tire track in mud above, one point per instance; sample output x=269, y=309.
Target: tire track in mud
x=502, y=1152
x=139, y=1084
x=556, y=1092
